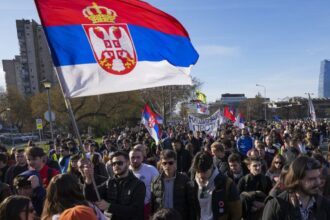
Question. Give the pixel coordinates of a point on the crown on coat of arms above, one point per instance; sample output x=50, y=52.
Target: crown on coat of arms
x=98, y=14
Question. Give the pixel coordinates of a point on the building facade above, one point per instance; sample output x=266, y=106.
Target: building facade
x=324, y=80
x=34, y=63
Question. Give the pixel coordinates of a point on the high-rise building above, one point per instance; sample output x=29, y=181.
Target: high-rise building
x=13, y=77
x=34, y=63
x=324, y=80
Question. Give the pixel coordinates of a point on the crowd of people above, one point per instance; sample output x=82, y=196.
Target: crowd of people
x=273, y=170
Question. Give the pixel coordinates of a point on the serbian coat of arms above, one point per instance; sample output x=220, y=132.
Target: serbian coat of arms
x=111, y=42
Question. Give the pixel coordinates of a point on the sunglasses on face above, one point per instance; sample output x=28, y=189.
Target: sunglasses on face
x=278, y=162
x=168, y=162
x=119, y=163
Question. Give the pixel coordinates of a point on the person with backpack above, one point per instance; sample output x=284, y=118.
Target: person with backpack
x=36, y=159
x=216, y=195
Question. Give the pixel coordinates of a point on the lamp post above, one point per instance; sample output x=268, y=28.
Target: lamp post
x=265, y=108
x=47, y=86
x=11, y=127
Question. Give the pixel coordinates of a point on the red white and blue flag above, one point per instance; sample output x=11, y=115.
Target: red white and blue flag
x=202, y=108
x=115, y=45
x=239, y=122
x=149, y=120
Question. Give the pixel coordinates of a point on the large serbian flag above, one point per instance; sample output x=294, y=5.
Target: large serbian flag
x=115, y=45
x=149, y=120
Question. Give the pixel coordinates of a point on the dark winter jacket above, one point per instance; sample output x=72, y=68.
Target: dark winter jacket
x=125, y=195
x=183, y=160
x=182, y=195
x=280, y=208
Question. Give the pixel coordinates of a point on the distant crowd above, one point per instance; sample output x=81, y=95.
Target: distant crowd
x=270, y=170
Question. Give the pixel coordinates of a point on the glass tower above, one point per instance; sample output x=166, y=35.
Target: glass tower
x=324, y=80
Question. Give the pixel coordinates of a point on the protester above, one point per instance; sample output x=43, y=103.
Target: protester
x=270, y=150
x=78, y=212
x=166, y=214
x=3, y=166
x=172, y=189
x=122, y=195
x=19, y=167
x=64, y=192
x=219, y=157
x=254, y=188
x=99, y=166
x=301, y=199
x=275, y=168
x=17, y=208
x=244, y=143
x=35, y=157
x=236, y=169
x=29, y=184
x=84, y=163
x=216, y=195
x=183, y=156
x=73, y=166
x=144, y=172
x=279, y=187
x=64, y=159
x=5, y=191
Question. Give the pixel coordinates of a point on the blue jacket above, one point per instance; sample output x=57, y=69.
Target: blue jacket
x=244, y=144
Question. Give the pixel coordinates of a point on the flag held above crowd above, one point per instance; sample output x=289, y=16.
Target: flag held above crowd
x=239, y=121
x=115, y=45
x=311, y=108
x=229, y=114
x=149, y=120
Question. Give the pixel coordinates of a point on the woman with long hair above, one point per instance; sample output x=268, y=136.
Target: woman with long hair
x=279, y=185
x=275, y=168
x=73, y=166
x=17, y=208
x=64, y=192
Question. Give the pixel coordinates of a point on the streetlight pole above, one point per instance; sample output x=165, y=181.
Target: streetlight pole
x=11, y=127
x=265, y=108
x=47, y=86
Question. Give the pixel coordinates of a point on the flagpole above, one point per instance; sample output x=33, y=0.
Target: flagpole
x=75, y=127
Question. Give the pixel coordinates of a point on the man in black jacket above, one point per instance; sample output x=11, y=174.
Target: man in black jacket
x=183, y=159
x=19, y=167
x=172, y=189
x=301, y=199
x=123, y=195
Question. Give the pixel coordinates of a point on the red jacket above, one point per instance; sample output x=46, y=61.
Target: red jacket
x=46, y=174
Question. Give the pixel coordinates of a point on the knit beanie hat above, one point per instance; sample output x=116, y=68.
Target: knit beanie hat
x=77, y=213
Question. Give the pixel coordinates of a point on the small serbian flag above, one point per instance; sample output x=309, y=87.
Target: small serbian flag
x=239, y=122
x=111, y=46
x=149, y=120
